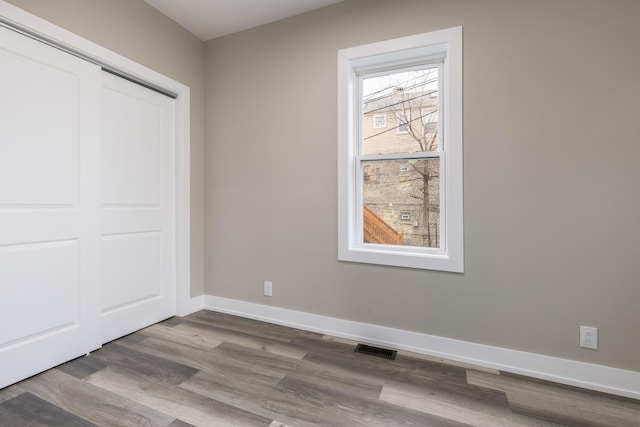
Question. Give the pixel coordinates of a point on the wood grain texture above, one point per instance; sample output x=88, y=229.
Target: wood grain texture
x=212, y=361
x=9, y=393
x=29, y=410
x=92, y=403
x=180, y=423
x=457, y=407
x=212, y=369
x=568, y=405
x=246, y=326
x=149, y=366
x=246, y=340
x=180, y=403
x=82, y=366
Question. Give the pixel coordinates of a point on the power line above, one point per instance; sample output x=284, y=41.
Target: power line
x=404, y=89
x=404, y=82
x=423, y=94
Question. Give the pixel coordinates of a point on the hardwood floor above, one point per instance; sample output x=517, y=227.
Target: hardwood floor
x=211, y=369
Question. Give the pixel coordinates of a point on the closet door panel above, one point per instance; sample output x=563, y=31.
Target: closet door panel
x=40, y=170
x=49, y=207
x=138, y=207
x=132, y=148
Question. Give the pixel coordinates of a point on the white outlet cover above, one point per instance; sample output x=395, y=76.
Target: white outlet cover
x=268, y=289
x=589, y=337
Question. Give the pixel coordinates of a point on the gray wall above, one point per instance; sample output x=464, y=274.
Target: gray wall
x=552, y=149
x=139, y=32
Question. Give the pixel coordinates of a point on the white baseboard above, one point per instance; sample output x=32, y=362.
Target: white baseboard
x=579, y=374
x=197, y=304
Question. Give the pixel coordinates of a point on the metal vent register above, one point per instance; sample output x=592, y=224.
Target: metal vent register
x=376, y=351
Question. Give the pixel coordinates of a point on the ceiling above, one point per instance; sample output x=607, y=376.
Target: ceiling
x=208, y=19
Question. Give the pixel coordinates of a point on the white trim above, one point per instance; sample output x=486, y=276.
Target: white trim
x=388, y=55
x=62, y=37
x=197, y=304
x=579, y=374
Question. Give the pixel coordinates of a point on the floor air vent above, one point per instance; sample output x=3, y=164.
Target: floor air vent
x=376, y=351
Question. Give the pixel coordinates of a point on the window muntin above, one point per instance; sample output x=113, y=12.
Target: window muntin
x=436, y=121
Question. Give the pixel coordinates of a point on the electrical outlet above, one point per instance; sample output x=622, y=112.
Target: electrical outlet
x=589, y=337
x=268, y=289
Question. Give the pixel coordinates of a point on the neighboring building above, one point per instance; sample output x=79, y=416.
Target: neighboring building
x=403, y=193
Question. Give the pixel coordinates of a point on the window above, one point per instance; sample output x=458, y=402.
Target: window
x=379, y=121
x=418, y=80
x=371, y=173
x=402, y=123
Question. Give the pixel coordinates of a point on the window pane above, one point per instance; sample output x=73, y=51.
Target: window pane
x=402, y=202
x=409, y=103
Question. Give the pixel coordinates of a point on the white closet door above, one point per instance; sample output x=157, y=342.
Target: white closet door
x=138, y=207
x=49, y=207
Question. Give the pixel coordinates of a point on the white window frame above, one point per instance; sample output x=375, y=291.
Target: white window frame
x=444, y=46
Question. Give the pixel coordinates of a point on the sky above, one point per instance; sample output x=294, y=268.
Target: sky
x=411, y=81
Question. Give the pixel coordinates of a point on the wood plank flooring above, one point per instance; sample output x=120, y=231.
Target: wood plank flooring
x=212, y=369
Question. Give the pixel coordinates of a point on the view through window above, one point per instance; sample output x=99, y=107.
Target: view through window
x=400, y=161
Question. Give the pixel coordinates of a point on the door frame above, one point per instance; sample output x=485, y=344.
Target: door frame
x=16, y=18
